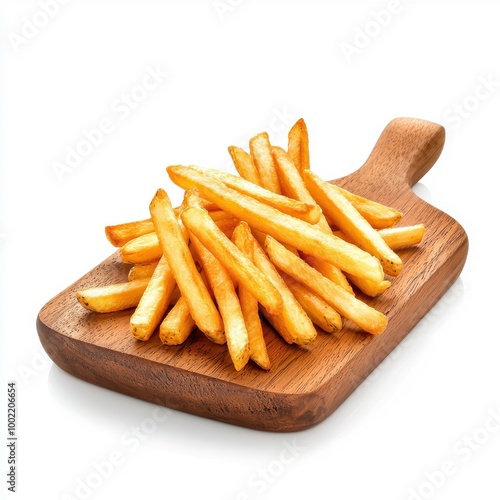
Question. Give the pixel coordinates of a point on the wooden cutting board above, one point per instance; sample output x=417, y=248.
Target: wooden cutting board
x=305, y=384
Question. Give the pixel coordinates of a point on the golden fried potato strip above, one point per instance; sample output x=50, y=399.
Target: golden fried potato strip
x=250, y=308
x=295, y=232
x=244, y=164
x=310, y=212
x=112, y=298
x=178, y=324
x=294, y=324
x=154, y=302
x=138, y=271
x=187, y=277
x=345, y=216
x=322, y=314
x=240, y=267
x=120, y=234
x=260, y=150
x=364, y=316
x=298, y=145
x=378, y=215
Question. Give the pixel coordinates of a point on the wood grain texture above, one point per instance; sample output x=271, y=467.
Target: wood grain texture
x=305, y=384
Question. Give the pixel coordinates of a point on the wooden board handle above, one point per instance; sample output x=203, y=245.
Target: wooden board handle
x=403, y=154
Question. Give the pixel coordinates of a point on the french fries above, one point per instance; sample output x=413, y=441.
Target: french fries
x=244, y=165
x=250, y=306
x=310, y=212
x=298, y=327
x=120, y=234
x=401, y=237
x=142, y=249
x=260, y=150
x=345, y=216
x=364, y=316
x=293, y=185
x=321, y=314
x=289, y=177
x=228, y=304
x=112, y=298
x=139, y=271
x=178, y=324
x=187, y=277
x=295, y=232
x=154, y=302
x=298, y=145
x=276, y=242
x=379, y=216
x=241, y=268
x=145, y=249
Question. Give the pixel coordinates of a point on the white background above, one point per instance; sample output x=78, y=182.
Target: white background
x=234, y=72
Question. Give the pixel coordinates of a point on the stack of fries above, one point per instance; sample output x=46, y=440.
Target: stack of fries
x=276, y=241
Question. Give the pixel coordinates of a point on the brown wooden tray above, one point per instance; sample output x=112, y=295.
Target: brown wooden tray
x=305, y=384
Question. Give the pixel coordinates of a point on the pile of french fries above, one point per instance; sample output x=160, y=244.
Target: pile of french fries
x=275, y=241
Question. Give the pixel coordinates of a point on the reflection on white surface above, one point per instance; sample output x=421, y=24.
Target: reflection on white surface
x=182, y=430
x=422, y=191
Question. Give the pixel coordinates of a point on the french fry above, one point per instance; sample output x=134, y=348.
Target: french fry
x=119, y=234
x=295, y=232
x=351, y=222
x=228, y=303
x=141, y=250
x=378, y=215
x=364, y=316
x=256, y=341
x=298, y=327
x=207, y=205
x=231, y=309
x=400, y=237
x=310, y=212
x=139, y=271
x=244, y=164
x=218, y=215
x=278, y=323
x=225, y=221
x=112, y=298
x=298, y=145
x=275, y=242
x=369, y=287
x=187, y=277
x=154, y=302
x=240, y=267
x=329, y=271
x=396, y=238
x=250, y=309
x=290, y=180
x=260, y=150
x=322, y=314
x=178, y=324
x=146, y=249
x=293, y=185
